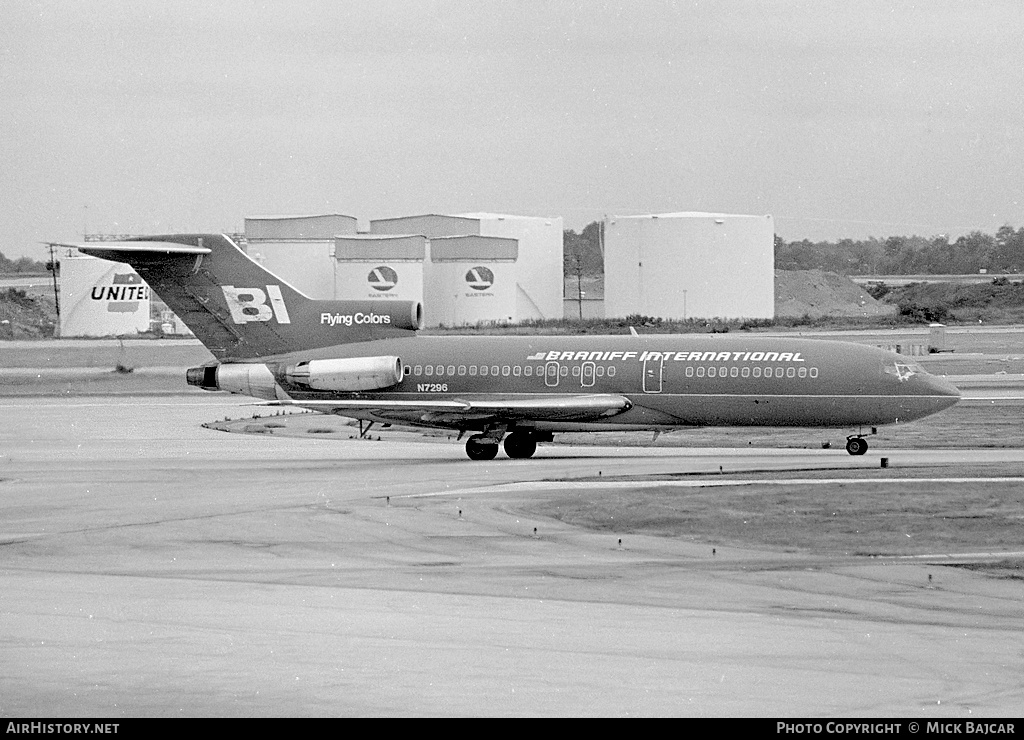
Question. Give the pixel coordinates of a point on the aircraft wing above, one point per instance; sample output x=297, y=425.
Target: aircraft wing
x=493, y=408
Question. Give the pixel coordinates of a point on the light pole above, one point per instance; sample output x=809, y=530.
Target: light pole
x=56, y=293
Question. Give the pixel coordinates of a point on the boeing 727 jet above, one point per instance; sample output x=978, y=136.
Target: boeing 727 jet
x=364, y=360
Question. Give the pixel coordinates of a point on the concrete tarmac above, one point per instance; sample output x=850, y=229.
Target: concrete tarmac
x=150, y=567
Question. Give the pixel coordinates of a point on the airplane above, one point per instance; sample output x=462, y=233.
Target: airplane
x=365, y=360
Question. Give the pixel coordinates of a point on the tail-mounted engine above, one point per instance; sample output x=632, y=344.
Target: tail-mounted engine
x=340, y=374
x=346, y=374
x=249, y=379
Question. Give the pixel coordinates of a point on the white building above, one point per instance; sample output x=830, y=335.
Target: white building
x=99, y=298
x=690, y=265
x=299, y=249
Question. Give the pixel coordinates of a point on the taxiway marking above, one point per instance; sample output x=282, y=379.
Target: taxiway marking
x=591, y=485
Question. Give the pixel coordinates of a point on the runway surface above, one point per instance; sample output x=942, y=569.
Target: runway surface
x=150, y=567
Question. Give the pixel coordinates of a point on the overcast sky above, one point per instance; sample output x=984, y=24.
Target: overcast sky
x=850, y=118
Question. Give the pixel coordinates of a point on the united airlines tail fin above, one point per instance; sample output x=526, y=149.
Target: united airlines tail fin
x=240, y=310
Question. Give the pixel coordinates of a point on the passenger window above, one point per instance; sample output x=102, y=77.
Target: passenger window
x=576, y=371
x=600, y=371
x=802, y=372
x=563, y=370
x=494, y=369
x=528, y=370
x=689, y=371
x=428, y=370
x=611, y=371
x=506, y=370
x=790, y=372
x=483, y=370
x=462, y=369
x=814, y=372
x=472, y=369
x=700, y=371
x=735, y=372
x=418, y=370
x=451, y=369
x=712, y=372
x=746, y=372
x=757, y=372
x=517, y=370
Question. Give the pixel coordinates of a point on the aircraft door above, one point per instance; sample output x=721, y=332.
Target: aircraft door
x=587, y=378
x=653, y=375
x=551, y=374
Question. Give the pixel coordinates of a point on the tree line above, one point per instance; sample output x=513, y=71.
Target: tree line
x=998, y=254
x=20, y=266
x=1001, y=254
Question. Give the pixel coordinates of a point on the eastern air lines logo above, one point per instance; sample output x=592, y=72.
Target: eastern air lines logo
x=382, y=278
x=479, y=278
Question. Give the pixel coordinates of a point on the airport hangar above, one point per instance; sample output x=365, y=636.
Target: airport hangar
x=471, y=269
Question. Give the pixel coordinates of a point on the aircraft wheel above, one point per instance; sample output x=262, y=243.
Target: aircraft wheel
x=856, y=445
x=520, y=445
x=480, y=448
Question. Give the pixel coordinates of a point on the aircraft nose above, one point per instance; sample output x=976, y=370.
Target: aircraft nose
x=944, y=393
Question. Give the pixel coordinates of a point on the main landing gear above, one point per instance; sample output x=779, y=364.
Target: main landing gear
x=479, y=447
x=518, y=445
x=856, y=444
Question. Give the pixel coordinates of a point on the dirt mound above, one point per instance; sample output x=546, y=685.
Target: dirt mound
x=24, y=316
x=816, y=293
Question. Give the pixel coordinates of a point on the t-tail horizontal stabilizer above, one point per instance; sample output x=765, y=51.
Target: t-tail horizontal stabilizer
x=242, y=311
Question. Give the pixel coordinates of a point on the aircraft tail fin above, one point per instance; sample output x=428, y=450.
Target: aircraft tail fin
x=240, y=310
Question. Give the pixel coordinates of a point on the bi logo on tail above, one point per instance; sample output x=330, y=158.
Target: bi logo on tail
x=250, y=304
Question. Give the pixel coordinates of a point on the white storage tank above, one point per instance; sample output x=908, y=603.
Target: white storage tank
x=379, y=267
x=298, y=249
x=539, y=265
x=99, y=298
x=690, y=265
x=431, y=225
x=471, y=280
x=538, y=268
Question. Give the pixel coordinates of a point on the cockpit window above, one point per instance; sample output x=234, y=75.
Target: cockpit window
x=903, y=369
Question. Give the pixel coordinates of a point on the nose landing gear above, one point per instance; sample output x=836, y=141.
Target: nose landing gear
x=856, y=444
